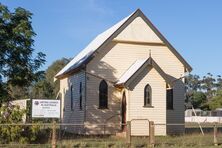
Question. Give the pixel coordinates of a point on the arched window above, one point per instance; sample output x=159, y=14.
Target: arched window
x=147, y=95
x=103, y=95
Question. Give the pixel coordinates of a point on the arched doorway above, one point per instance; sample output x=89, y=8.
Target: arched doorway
x=123, y=113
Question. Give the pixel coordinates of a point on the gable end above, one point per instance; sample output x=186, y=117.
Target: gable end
x=115, y=33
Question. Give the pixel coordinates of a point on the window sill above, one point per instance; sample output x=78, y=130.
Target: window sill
x=148, y=106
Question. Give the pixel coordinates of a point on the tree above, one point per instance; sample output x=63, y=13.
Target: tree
x=52, y=71
x=219, y=83
x=204, y=93
x=42, y=90
x=46, y=87
x=198, y=99
x=208, y=85
x=18, y=65
x=193, y=82
x=216, y=101
x=192, y=85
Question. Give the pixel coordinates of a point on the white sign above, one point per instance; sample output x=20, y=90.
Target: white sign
x=45, y=108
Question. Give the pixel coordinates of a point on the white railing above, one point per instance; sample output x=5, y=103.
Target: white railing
x=203, y=119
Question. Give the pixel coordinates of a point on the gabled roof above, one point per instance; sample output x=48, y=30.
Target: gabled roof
x=102, y=39
x=131, y=71
x=137, y=67
x=86, y=53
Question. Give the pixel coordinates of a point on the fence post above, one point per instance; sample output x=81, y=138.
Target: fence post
x=128, y=132
x=215, y=135
x=151, y=134
x=54, y=134
x=104, y=128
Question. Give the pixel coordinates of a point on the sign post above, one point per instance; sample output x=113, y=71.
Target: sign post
x=42, y=108
x=54, y=134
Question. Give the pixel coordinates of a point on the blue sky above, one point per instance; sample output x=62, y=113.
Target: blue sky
x=64, y=27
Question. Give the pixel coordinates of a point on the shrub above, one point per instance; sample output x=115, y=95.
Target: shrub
x=15, y=133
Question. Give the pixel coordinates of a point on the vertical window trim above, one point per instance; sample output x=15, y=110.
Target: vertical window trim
x=170, y=99
x=102, y=94
x=80, y=95
x=148, y=88
x=71, y=93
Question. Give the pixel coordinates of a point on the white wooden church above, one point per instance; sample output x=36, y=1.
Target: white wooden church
x=127, y=73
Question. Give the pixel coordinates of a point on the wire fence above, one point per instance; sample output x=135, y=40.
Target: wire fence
x=62, y=135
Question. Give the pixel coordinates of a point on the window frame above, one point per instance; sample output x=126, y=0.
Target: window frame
x=147, y=97
x=169, y=99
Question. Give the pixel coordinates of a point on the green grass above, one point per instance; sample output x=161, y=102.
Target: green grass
x=193, y=140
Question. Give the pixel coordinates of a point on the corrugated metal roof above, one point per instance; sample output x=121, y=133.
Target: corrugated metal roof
x=139, y=65
x=131, y=71
x=91, y=48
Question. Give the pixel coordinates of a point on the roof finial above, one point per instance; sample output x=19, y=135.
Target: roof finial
x=150, y=53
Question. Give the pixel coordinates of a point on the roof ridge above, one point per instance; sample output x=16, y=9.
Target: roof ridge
x=93, y=46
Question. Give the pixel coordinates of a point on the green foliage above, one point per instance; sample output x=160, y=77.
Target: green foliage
x=52, y=71
x=216, y=101
x=18, y=65
x=198, y=99
x=205, y=92
x=193, y=83
x=46, y=87
x=42, y=89
x=16, y=133
x=219, y=82
x=4, y=93
x=18, y=92
x=208, y=84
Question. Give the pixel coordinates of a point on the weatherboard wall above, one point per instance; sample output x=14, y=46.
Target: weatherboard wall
x=95, y=117
x=136, y=109
x=73, y=114
x=138, y=30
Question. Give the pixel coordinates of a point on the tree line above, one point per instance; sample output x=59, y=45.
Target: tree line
x=204, y=92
